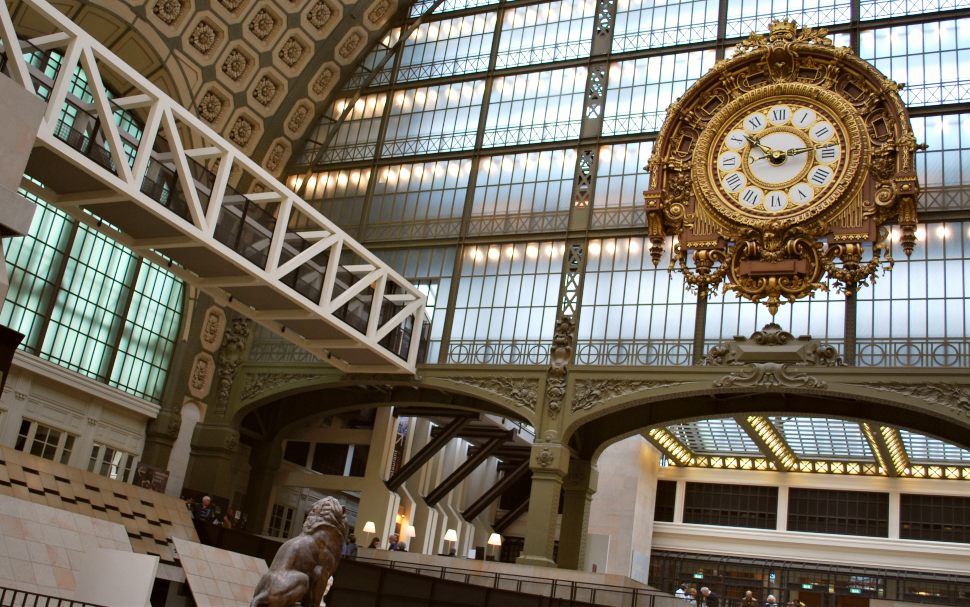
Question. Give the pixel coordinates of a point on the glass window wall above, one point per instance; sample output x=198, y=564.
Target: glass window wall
x=506, y=306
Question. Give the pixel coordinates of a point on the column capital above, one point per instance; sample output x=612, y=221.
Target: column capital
x=549, y=459
x=583, y=476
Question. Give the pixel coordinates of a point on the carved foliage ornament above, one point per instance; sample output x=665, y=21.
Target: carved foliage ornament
x=230, y=357
x=770, y=375
x=778, y=170
x=592, y=392
x=263, y=382
x=522, y=391
x=561, y=354
x=955, y=397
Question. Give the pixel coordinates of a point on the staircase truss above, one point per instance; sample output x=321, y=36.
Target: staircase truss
x=126, y=159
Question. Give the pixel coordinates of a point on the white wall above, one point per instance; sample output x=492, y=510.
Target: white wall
x=51, y=395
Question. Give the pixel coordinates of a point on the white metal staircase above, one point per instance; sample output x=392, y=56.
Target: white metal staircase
x=146, y=172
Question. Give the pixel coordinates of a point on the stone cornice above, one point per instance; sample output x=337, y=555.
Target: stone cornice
x=76, y=381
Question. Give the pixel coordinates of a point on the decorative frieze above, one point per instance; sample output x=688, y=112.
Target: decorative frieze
x=521, y=391
x=955, y=397
x=770, y=375
x=591, y=392
x=258, y=383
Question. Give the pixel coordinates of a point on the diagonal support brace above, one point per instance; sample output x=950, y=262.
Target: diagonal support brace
x=510, y=478
x=462, y=471
x=420, y=458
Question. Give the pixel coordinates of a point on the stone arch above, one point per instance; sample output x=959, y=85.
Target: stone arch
x=939, y=410
x=301, y=395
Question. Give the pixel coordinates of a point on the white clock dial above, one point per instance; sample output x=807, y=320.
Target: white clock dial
x=801, y=193
x=755, y=123
x=729, y=161
x=821, y=132
x=776, y=200
x=751, y=196
x=777, y=172
x=736, y=140
x=820, y=176
x=827, y=154
x=734, y=181
x=803, y=118
x=779, y=114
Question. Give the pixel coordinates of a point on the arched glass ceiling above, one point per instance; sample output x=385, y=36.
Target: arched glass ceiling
x=927, y=450
x=712, y=436
x=811, y=437
x=809, y=444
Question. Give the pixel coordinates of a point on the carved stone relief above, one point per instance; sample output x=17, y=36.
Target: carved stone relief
x=351, y=45
x=257, y=383
x=230, y=357
x=298, y=119
x=324, y=81
x=213, y=328
x=378, y=13
x=279, y=153
x=955, y=397
x=591, y=392
x=561, y=354
x=522, y=391
x=202, y=372
x=770, y=375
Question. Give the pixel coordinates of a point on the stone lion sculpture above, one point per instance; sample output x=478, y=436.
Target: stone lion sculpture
x=303, y=565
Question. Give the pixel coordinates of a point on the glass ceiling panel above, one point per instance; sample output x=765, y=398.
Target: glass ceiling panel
x=815, y=437
x=925, y=450
x=715, y=436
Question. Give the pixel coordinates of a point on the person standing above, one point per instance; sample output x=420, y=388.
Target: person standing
x=350, y=547
x=681, y=592
x=748, y=600
x=708, y=598
x=206, y=512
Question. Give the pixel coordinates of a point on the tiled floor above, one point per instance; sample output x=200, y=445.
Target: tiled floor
x=219, y=578
x=42, y=549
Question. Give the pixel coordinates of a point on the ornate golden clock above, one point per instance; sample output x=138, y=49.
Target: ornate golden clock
x=781, y=167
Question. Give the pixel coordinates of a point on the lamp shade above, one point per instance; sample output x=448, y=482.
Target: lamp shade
x=409, y=531
x=369, y=527
x=451, y=535
x=495, y=540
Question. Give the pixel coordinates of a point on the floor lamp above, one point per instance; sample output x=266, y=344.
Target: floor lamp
x=451, y=536
x=369, y=528
x=493, y=540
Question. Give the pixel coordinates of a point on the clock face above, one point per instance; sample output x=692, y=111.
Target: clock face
x=778, y=157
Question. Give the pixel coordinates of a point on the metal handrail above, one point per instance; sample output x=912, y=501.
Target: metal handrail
x=575, y=590
x=12, y=597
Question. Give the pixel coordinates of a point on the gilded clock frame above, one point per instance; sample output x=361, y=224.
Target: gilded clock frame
x=776, y=257
x=846, y=182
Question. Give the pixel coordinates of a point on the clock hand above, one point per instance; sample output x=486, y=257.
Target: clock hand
x=757, y=143
x=796, y=151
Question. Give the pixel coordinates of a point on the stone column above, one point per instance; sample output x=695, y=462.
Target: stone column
x=549, y=463
x=578, y=489
x=213, y=452
x=178, y=460
x=264, y=462
x=377, y=502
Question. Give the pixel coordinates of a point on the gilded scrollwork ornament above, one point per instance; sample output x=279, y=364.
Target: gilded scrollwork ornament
x=778, y=168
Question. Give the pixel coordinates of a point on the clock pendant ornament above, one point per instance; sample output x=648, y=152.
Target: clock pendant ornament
x=779, y=170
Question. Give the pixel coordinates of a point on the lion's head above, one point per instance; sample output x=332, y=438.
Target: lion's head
x=327, y=512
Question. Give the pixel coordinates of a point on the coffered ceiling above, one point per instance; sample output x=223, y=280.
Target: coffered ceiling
x=258, y=71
